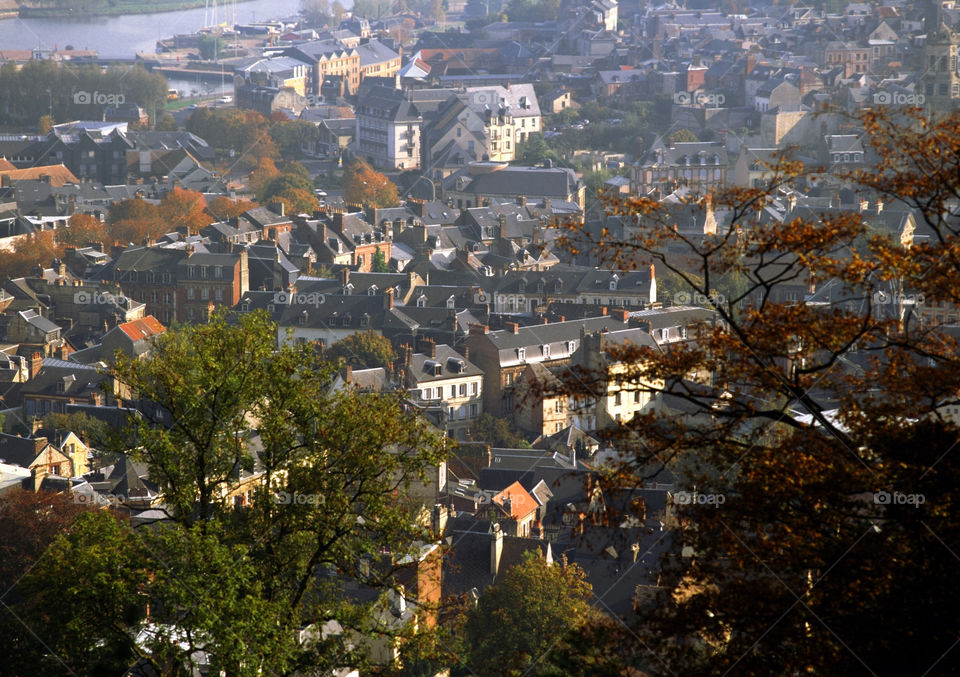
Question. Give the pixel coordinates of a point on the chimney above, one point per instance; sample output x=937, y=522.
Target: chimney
x=562, y=319
x=427, y=347
x=344, y=276
x=277, y=208
x=440, y=515
x=522, y=200
x=347, y=373
x=620, y=314
x=496, y=548
x=388, y=299
x=36, y=361
x=37, y=474
x=512, y=327
x=478, y=329
x=603, y=310
x=879, y=205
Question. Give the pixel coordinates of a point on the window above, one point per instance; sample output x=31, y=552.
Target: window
x=546, y=350
x=218, y=272
x=453, y=391
x=191, y=294
x=473, y=411
x=558, y=406
x=473, y=388
x=218, y=293
x=618, y=399
x=521, y=354
x=636, y=397
x=462, y=413
x=205, y=293
x=463, y=390
x=509, y=379
x=166, y=298
x=425, y=394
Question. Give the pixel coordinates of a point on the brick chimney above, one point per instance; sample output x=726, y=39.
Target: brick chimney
x=344, y=276
x=36, y=361
x=427, y=347
x=620, y=314
x=388, y=299
x=478, y=329
x=512, y=327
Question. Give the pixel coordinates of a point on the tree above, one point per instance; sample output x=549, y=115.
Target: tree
x=332, y=494
x=379, y=262
x=520, y=624
x=292, y=188
x=362, y=184
x=683, y=136
x=820, y=464
x=316, y=12
x=166, y=123
x=45, y=124
x=134, y=221
x=533, y=151
x=365, y=350
x=184, y=208
x=210, y=46
x=338, y=11
x=222, y=208
x=36, y=249
x=496, y=432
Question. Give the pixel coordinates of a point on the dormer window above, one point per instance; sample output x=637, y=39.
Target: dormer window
x=522, y=286
x=557, y=285
x=365, y=321
x=451, y=302
x=521, y=354
x=422, y=301
x=571, y=346
x=613, y=282
x=372, y=290
x=245, y=307
x=302, y=320
x=348, y=289
x=546, y=350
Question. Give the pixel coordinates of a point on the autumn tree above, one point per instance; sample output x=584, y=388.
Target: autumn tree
x=222, y=208
x=134, y=220
x=36, y=249
x=364, y=350
x=291, y=187
x=362, y=184
x=813, y=442
x=497, y=432
x=184, y=208
x=81, y=230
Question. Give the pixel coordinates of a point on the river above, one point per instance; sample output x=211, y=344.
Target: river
x=123, y=36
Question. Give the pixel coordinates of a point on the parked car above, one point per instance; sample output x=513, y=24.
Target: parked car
x=225, y=99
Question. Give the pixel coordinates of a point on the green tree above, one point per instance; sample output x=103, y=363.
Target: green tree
x=333, y=493
x=533, y=151
x=210, y=46
x=365, y=349
x=379, y=262
x=683, y=136
x=496, y=432
x=520, y=623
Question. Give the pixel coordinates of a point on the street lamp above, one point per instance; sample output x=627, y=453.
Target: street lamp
x=433, y=187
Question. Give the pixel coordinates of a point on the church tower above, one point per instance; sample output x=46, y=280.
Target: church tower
x=940, y=79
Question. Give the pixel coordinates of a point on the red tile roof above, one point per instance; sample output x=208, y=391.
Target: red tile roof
x=138, y=330
x=521, y=502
